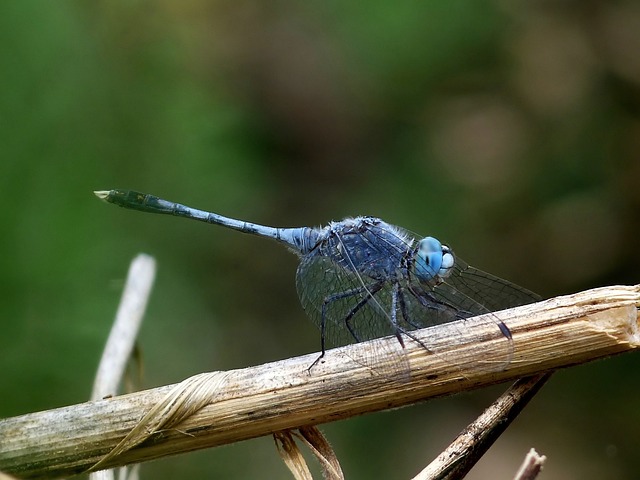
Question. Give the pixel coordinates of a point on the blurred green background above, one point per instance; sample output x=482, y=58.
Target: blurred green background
x=510, y=130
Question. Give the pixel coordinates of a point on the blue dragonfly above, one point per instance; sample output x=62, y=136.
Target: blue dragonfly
x=362, y=278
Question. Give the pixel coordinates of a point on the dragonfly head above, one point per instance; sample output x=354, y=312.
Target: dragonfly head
x=433, y=260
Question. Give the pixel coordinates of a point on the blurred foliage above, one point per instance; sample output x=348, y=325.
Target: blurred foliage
x=509, y=129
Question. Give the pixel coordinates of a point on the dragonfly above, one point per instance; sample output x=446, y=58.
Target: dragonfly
x=362, y=278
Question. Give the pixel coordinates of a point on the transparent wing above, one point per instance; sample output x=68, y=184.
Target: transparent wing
x=475, y=292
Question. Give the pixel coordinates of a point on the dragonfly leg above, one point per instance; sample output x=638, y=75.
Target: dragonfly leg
x=404, y=312
x=347, y=319
x=371, y=291
x=397, y=330
x=323, y=318
x=430, y=302
x=406, y=316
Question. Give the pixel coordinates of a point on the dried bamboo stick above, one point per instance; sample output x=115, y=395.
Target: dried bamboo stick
x=224, y=407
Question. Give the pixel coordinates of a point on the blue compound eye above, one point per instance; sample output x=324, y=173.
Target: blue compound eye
x=433, y=260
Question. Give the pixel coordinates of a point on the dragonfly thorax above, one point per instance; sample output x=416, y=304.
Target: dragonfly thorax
x=366, y=245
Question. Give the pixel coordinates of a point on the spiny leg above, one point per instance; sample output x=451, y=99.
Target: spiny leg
x=405, y=313
x=459, y=314
x=431, y=303
x=339, y=296
x=394, y=313
x=347, y=319
x=406, y=316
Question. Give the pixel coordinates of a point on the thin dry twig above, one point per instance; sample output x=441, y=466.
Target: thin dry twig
x=124, y=331
x=474, y=441
x=322, y=450
x=531, y=466
x=121, y=341
x=313, y=438
x=291, y=455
